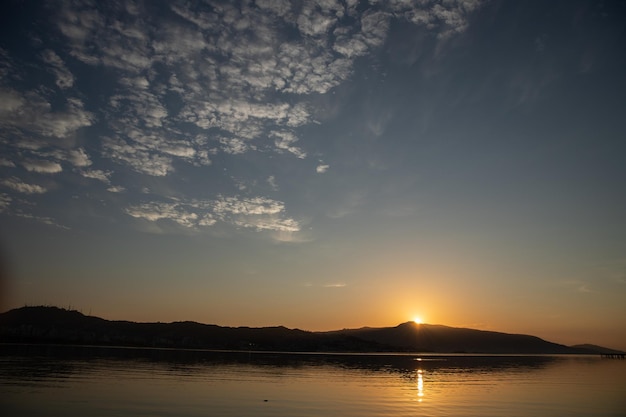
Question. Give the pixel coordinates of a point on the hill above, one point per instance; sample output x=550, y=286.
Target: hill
x=56, y=325
x=598, y=350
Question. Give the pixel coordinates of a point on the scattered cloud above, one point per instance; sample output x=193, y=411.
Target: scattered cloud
x=138, y=157
x=186, y=84
x=335, y=285
x=21, y=187
x=43, y=167
x=116, y=189
x=158, y=211
x=271, y=180
x=284, y=140
x=6, y=163
x=5, y=202
x=64, y=78
x=97, y=174
x=327, y=285
x=322, y=168
x=258, y=213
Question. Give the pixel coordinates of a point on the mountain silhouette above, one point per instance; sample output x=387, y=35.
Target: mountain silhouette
x=45, y=324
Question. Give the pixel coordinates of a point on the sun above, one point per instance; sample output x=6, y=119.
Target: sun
x=417, y=320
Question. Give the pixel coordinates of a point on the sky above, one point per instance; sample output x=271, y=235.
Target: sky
x=318, y=164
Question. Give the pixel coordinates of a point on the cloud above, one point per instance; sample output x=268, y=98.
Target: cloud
x=444, y=18
x=158, y=211
x=5, y=202
x=31, y=112
x=335, y=285
x=328, y=285
x=17, y=185
x=116, y=189
x=138, y=157
x=320, y=169
x=259, y=213
x=184, y=84
x=64, y=78
x=248, y=206
x=10, y=101
x=233, y=146
x=97, y=174
x=6, y=163
x=269, y=223
x=42, y=219
x=271, y=180
x=42, y=167
x=284, y=140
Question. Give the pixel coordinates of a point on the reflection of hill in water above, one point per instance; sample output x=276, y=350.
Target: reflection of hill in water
x=27, y=362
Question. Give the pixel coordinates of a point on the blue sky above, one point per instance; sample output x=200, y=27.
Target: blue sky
x=318, y=164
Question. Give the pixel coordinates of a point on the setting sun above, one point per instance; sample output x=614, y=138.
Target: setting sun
x=417, y=320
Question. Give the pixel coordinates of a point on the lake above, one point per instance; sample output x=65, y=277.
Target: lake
x=93, y=381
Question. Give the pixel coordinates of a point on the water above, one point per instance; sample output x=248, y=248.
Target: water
x=73, y=381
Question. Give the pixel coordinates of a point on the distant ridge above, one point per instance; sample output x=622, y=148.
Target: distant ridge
x=600, y=350
x=56, y=325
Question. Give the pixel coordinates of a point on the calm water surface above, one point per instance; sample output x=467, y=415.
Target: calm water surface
x=62, y=381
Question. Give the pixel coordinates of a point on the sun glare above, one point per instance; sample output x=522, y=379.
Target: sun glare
x=417, y=320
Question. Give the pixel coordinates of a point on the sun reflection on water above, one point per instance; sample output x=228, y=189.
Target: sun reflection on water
x=420, y=385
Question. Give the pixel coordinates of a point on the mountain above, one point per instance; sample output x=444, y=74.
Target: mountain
x=598, y=350
x=56, y=325
x=438, y=338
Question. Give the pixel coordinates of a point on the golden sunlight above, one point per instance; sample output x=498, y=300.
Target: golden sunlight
x=418, y=320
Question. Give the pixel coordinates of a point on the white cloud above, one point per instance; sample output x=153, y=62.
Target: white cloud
x=259, y=213
x=269, y=223
x=43, y=219
x=5, y=202
x=248, y=206
x=18, y=185
x=194, y=82
x=446, y=18
x=42, y=167
x=233, y=145
x=315, y=22
x=283, y=141
x=64, y=123
x=116, y=189
x=158, y=211
x=10, y=101
x=78, y=157
x=278, y=7
x=31, y=112
x=239, y=99
x=187, y=214
x=64, y=78
x=335, y=285
x=97, y=174
x=271, y=180
x=206, y=220
x=138, y=157
x=6, y=163
x=322, y=168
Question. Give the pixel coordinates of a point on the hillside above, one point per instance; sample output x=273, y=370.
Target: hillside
x=55, y=325
x=438, y=338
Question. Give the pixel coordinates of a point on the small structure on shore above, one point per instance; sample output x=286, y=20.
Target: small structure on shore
x=614, y=355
